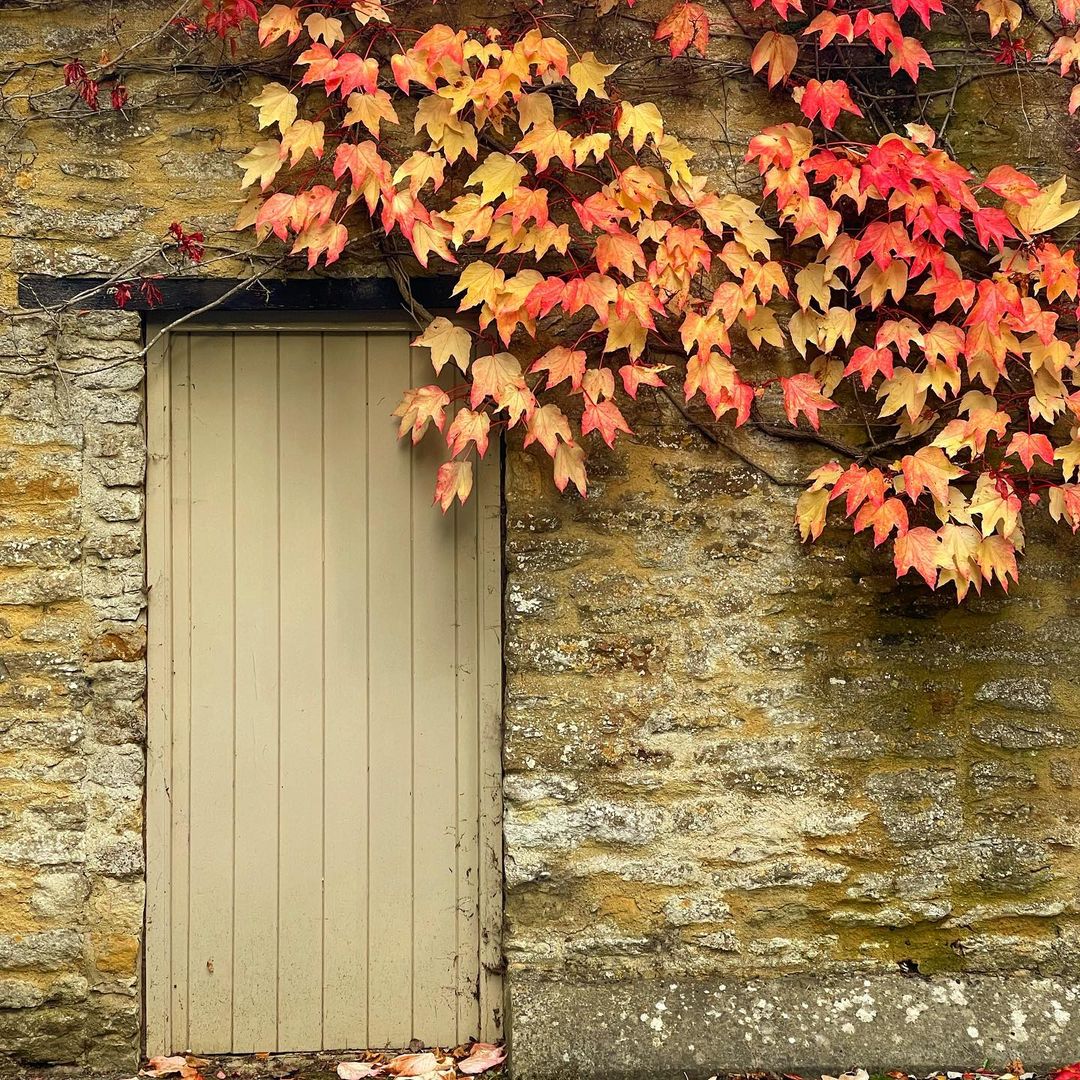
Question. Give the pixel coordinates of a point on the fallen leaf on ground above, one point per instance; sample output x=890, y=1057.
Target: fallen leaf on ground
x=355, y=1070
x=411, y=1065
x=482, y=1056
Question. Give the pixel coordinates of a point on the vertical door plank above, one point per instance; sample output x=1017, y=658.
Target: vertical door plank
x=180, y=695
x=212, y=692
x=389, y=627
x=300, y=890
x=434, y=914
x=468, y=770
x=256, y=749
x=345, y=927
x=159, y=681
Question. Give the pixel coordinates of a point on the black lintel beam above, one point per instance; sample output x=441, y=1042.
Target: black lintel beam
x=289, y=294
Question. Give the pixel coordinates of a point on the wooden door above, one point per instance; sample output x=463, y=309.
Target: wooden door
x=323, y=837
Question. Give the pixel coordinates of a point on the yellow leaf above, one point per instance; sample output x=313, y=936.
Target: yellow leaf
x=454, y=480
x=304, y=135
x=262, y=163
x=446, y=342
x=999, y=12
x=498, y=175
x=534, y=109
x=480, y=282
x=595, y=145
x=370, y=110
x=328, y=31
x=640, y=121
x=810, y=512
x=1044, y=212
x=276, y=105
x=589, y=74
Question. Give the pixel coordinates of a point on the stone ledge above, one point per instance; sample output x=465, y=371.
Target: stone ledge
x=563, y=1029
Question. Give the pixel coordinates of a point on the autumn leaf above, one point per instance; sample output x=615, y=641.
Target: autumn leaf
x=779, y=51
x=497, y=176
x=262, y=163
x=280, y=20
x=917, y=550
x=588, y=75
x=276, y=105
x=1043, y=212
x=685, y=24
x=928, y=469
x=561, y=363
x=356, y=1070
x=605, y=417
x=454, y=480
x=481, y=1057
x=810, y=511
x=420, y=407
x=546, y=426
x=570, y=467
x=827, y=99
x=468, y=427
x=802, y=394
x=446, y=342
x=1000, y=12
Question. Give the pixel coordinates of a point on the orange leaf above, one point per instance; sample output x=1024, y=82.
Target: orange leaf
x=685, y=24
x=917, y=550
x=802, y=393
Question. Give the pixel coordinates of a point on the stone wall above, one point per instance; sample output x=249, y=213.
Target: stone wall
x=764, y=806
x=732, y=763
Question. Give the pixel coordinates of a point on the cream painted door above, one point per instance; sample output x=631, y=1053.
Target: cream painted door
x=323, y=836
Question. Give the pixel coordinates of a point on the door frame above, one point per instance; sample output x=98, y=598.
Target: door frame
x=156, y=995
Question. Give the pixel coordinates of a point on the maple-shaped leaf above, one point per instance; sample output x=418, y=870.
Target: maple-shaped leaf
x=929, y=469
x=498, y=175
x=685, y=24
x=1011, y=184
x=325, y=238
x=996, y=557
x=621, y=250
x=810, y=512
x=917, y=550
x=446, y=342
x=779, y=51
x=454, y=480
x=547, y=426
x=637, y=375
x=922, y=8
x=802, y=394
x=281, y=19
x=605, y=417
x=826, y=99
x=890, y=515
x=370, y=109
x=908, y=56
x=491, y=375
x=868, y=362
x=262, y=163
x=327, y=30
x=992, y=226
x=302, y=136
x=588, y=75
x=561, y=363
x=639, y=122
x=419, y=408
x=1028, y=447
x=468, y=427
x=1044, y=211
x=545, y=141
x=859, y=485
x=570, y=467
x=1000, y=12
x=276, y=105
